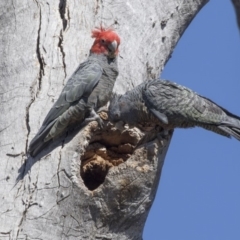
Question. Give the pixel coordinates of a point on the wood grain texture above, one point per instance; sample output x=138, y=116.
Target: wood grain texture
x=41, y=44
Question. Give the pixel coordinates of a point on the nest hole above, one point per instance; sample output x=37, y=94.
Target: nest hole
x=106, y=149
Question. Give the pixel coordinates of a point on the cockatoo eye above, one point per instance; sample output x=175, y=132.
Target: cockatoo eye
x=102, y=40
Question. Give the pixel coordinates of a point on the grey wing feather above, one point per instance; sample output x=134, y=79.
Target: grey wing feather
x=161, y=116
x=182, y=103
x=80, y=85
x=160, y=98
x=185, y=108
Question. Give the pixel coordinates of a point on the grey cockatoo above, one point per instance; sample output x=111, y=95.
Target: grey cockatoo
x=88, y=89
x=172, y=106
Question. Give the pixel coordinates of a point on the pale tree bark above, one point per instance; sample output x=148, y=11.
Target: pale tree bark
x=92, y=184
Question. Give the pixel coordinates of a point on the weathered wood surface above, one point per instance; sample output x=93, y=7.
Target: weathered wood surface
x=41, y=45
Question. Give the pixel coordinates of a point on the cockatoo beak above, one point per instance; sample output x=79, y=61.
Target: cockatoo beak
x=113, y=46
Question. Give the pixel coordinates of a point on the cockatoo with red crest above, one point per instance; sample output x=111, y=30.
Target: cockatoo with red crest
x=89, y=88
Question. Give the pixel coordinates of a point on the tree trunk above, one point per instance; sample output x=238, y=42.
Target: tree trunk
x=91, y=184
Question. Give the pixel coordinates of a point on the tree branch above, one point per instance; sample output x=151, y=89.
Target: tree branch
x=93, y=184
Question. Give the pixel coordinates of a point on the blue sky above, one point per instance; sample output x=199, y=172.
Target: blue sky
x=198, y=197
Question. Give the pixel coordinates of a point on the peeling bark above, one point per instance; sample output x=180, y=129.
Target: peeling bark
x=60, y=45
x=92, y=183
